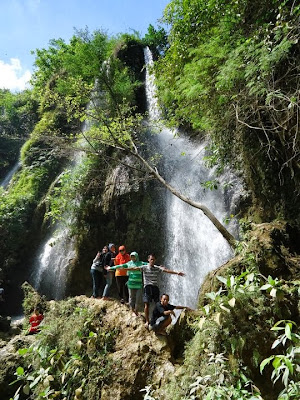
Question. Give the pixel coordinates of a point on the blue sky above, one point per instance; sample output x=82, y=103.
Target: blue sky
x=27, y=25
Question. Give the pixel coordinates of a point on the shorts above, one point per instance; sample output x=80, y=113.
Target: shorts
x=157, y=324
x=151, y=293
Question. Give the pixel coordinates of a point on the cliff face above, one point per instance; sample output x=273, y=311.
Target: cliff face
x=116, y=203
x=9, y=154
x=125, y=209
x=96, y=349
x=132, y=55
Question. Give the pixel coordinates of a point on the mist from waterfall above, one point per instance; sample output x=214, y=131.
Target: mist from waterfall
x=193, y=244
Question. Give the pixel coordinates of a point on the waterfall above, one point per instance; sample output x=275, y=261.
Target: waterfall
x=193, y=244
x=50, y=271
x=52, y=262
x=153, y=109
x=5, y=182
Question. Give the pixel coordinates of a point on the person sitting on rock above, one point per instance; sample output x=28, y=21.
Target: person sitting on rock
x=161, y=317
x=151, y=274
x=35, y=321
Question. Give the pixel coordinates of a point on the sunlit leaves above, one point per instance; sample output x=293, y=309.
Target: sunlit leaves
x=82, y=57
x=229, y=54
x=156, y=38
x=285, y=366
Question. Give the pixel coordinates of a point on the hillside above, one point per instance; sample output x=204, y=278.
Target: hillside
x=97, y=167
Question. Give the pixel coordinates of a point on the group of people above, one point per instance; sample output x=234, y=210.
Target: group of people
x=134, y=278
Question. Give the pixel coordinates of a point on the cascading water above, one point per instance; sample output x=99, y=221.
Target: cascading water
x=5, y=182
x=193, y=244
x=50, y=271
x=51, y=267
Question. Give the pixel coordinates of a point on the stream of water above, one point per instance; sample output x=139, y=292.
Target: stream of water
x=54, y=256
x=50, y=270
x=6, y=180
x=193, y=244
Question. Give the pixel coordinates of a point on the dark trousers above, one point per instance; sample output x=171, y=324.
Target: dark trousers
x=122, y=287
x=96, y=278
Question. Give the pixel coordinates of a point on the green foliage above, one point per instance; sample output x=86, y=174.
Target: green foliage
x=273, y=287
x=17, y=205
x=232, y=336
x=82, y=57
x=16, y=210
x=9, y=154
x=89, y=69
x=285, y=366
x=118, y=84
x=211, y=185
x=66, y=74
x=18, y=113
x=66, y=197
x=226, y=73
x=236, y=289
x=210, y=54
x=65, y=362
x=212, y=386
x=156, y=39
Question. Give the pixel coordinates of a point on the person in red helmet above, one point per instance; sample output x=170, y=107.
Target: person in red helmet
x=121, y=274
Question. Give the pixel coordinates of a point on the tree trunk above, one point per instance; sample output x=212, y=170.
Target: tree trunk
x=227, y=235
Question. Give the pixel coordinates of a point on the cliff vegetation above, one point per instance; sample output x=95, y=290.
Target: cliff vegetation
x=227, y=71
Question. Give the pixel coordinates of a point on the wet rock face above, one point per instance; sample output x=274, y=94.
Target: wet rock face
x=276, y=254
x=4, y=324
x=9, y=154
x=273, y=244
x=128, y=210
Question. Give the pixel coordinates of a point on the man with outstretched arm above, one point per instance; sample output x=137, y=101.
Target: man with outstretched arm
x=151, y=273
x=161, y=317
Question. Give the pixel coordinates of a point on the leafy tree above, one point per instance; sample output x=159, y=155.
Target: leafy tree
x=232, y=70
x=156, y=39
x=64, y=69
x=115, y=122
x=18, y=113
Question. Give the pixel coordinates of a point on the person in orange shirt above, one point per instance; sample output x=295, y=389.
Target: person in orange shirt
x=121, y=274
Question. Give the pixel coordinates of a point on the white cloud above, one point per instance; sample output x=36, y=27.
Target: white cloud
x=13, y=76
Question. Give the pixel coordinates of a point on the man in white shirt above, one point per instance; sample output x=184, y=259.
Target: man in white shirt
x=151, y=274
